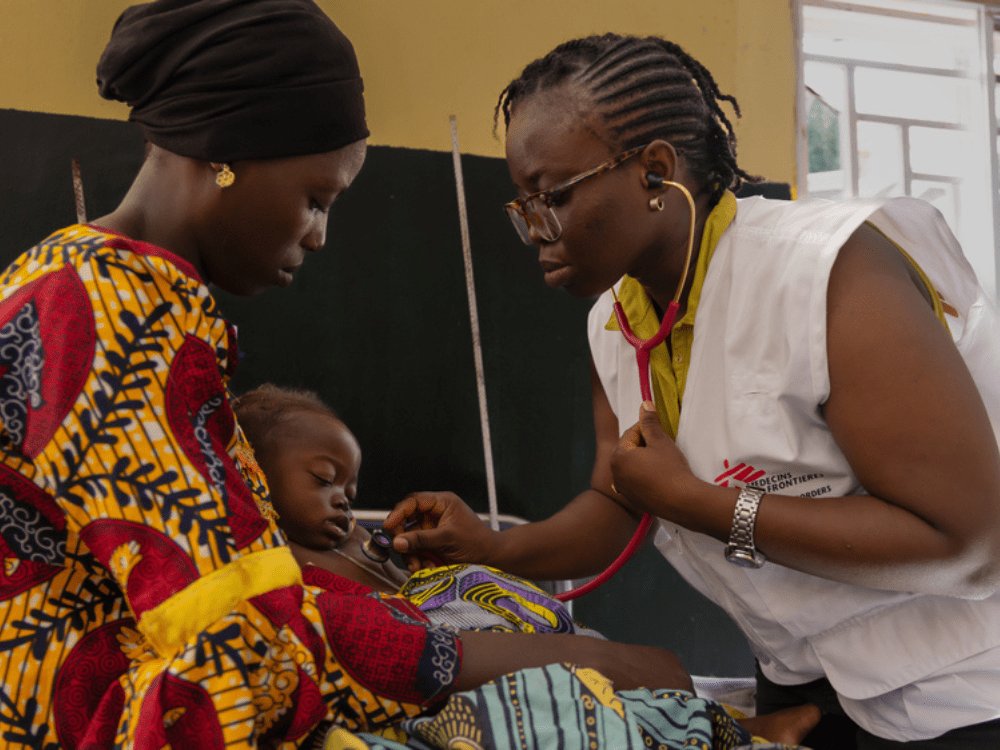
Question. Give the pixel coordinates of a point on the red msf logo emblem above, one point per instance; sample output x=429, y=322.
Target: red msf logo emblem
x=740, y=473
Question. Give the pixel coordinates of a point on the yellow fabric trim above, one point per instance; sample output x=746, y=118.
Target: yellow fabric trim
x=669, y=374
x=339, y=738
x=172, y=624
x=935, y=297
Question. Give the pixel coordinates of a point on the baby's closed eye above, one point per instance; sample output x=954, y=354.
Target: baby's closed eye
x=323, y=481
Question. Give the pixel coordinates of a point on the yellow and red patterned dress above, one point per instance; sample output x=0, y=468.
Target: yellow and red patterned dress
x=147, y=597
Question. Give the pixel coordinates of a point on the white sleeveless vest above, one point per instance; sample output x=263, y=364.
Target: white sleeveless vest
x=750, y=412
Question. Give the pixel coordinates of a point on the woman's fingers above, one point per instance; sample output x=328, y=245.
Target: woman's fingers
x=647, y=465
x=420, y=507
x=432, y=528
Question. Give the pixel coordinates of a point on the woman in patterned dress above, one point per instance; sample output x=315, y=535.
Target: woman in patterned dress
x=147, y=598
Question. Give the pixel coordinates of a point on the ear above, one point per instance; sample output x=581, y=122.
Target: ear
x=660, y=159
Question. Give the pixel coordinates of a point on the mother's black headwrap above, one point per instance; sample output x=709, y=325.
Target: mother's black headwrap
x=226, y=80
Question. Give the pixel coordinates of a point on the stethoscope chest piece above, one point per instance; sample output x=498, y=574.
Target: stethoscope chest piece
x=377, y=548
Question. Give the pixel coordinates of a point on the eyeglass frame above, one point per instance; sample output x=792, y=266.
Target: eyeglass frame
x=519, y=206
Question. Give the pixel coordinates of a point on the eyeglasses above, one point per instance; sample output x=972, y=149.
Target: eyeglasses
x=535, y=211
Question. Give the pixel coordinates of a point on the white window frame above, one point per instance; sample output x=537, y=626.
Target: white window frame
x=987, y=21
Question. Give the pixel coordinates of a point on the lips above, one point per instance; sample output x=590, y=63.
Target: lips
x=338, y=527
x=286, y=275
x=556, y=274
x=550, y=265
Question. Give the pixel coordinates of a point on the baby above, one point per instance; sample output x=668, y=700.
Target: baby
x=311, y=461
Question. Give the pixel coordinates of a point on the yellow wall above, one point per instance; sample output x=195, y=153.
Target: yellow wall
x=418, y=72
x=423, y=61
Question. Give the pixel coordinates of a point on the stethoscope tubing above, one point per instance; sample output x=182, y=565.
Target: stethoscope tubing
x=642, y=349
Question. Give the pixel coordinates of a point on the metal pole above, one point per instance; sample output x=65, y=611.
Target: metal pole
x=477, y=347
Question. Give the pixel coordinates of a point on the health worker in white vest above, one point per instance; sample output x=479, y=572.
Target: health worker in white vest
x=818, y=439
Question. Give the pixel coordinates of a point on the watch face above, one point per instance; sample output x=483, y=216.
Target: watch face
x=744, y=559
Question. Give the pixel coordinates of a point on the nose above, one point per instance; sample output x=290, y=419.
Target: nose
x=543, y=227
x=539, y=234
x=315, y=238
x=534, y=235
x=340, y=501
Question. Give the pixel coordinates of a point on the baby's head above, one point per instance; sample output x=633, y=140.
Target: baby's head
x=311, y=461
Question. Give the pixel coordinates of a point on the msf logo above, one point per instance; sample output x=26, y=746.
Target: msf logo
x=742, y=472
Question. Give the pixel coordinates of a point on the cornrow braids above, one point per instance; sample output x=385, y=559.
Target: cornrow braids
x=645, y=88
x=261, y=410
x=546, y=72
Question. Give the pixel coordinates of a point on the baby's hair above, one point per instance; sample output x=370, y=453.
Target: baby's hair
x=259, y=411
x=645, y=88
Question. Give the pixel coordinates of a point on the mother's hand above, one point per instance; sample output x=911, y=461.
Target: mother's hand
x=431, y=528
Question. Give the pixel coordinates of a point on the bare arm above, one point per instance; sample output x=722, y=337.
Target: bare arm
x=591, y=530
x=488, y=655
x=579, y=540
x=904, y=410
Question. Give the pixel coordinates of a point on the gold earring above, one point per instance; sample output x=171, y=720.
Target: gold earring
x=225, y=177
x=655, y=204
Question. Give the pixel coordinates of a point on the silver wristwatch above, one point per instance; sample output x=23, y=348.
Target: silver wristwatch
x=741, y=550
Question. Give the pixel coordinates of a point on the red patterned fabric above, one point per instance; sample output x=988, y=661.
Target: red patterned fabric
x=65, y=334
x=162, y=568
x=284, y=607
x=123, y=480
x=88, y=678
x=310, y=708
x=176, y=712
x=195, y=393
x=30, y=494
x=104, y=723
x=363, y=624
x=121, y=242
x=324, y=579
x=19, y=576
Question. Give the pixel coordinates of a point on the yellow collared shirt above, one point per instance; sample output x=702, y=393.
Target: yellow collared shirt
x=669, y=373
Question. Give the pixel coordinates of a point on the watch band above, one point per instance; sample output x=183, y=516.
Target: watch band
x=741, y=549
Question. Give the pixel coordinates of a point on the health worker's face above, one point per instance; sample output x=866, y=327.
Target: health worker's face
x=257, y=232
x=552, y=138
x=312, y=466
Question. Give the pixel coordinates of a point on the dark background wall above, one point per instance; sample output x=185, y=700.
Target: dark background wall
x=377, y=324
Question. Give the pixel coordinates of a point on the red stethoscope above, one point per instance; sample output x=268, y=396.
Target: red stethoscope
x=642, y=349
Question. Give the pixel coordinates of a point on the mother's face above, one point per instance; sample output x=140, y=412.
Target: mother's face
x=255, y=233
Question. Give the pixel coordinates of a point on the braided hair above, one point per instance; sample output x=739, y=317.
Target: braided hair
x=645, y=89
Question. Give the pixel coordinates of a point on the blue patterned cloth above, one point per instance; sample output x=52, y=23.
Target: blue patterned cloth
x=561, y=706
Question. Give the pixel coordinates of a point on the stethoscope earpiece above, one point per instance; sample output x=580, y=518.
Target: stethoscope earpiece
x=654, y=180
